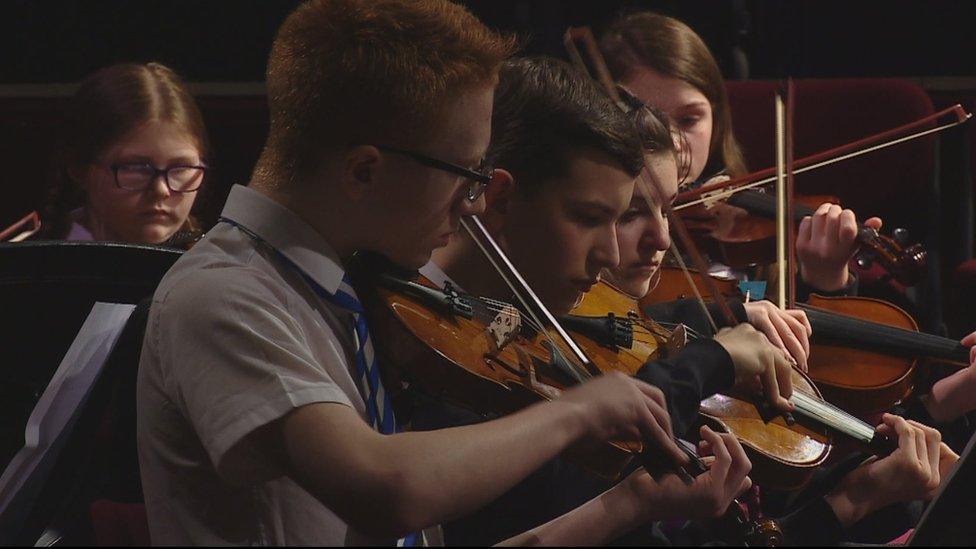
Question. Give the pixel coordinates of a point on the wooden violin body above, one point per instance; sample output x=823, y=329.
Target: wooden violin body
x=741, y=232
x=783, y=456
x=455, y=348
x=734, y=235
x=864, y=352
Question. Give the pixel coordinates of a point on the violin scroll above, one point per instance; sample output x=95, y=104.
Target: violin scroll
x=906, y=263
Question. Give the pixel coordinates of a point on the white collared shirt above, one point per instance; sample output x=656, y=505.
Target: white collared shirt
x=235, y=340
x=433, y=272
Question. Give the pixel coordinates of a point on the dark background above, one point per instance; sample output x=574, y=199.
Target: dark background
x=221, y=46
x=46, y=41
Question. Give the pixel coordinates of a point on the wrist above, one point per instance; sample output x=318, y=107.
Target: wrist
x=854, y=499
x=950, y=396
x=631, y=501
x=826, y=282
x=570, y=419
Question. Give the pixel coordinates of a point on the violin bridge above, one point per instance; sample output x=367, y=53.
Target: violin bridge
x=503, y=328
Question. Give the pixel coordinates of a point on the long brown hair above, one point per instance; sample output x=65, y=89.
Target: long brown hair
x=108, y=104
x=670, y=47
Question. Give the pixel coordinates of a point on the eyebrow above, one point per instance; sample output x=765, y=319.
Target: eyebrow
x=695, y=104
x=586, y=204
x=181, y=158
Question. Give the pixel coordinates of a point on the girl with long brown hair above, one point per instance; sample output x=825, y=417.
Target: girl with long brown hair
x=667, y=65
x=130, y=160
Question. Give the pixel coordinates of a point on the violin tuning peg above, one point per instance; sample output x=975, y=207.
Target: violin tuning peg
x=864, y=261
x=900, y=235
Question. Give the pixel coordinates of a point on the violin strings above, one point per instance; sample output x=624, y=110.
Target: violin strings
x=821, y=411
x=502, y=308
x=808, y=407
x=831, y=416
x=692, y=333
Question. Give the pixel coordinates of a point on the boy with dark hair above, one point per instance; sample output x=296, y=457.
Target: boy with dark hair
x=566, y=160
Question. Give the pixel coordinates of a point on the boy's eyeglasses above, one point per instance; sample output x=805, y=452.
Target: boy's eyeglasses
x=477, y=179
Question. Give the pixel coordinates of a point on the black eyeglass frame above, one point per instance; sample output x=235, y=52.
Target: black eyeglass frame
x=156, y=173
x=482, y=178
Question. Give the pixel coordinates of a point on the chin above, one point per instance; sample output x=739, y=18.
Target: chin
x=154, y=235
x=565, y=305
x=638, y=288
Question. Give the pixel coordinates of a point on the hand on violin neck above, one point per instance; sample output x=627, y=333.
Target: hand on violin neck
x=789, y=330
x=913, y=471
x=970, y=341
x=952, y=396
x=615, y=406
x=825, y=244
x=708, y=496
x=758, y=363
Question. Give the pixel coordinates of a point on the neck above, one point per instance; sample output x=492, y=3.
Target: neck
x=464, y=263
x=327, y=217
x=98, y=230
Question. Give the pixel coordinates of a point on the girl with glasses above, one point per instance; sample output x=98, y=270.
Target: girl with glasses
x=131, y=160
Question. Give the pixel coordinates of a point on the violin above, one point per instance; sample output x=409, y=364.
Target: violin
x=486, y=356
x=784, y=455
x=785, y=451
x=740, y=232
x=864, y=352
x=473, y=352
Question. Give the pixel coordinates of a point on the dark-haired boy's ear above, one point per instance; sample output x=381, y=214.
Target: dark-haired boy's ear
x=500, y=190
x=359, y=171
x=498, y=197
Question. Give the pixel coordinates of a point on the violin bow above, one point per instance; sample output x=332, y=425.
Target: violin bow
x=27, y=226
x=583, y=367
x=785, y=211
x=647, y=185
x=854, y=149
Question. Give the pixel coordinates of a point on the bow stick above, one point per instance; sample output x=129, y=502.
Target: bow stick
x=883, y=140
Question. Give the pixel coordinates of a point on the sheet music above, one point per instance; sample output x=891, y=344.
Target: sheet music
x=65, y=394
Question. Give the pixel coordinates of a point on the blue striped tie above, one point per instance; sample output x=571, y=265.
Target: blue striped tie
x=379, y=409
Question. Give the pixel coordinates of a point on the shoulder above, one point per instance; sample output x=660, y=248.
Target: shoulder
x=209, y=286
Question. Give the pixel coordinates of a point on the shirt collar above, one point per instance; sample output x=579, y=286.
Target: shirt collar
x=434, y=273
x=282, y=229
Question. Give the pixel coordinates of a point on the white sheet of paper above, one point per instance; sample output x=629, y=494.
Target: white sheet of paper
x=68, y=389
